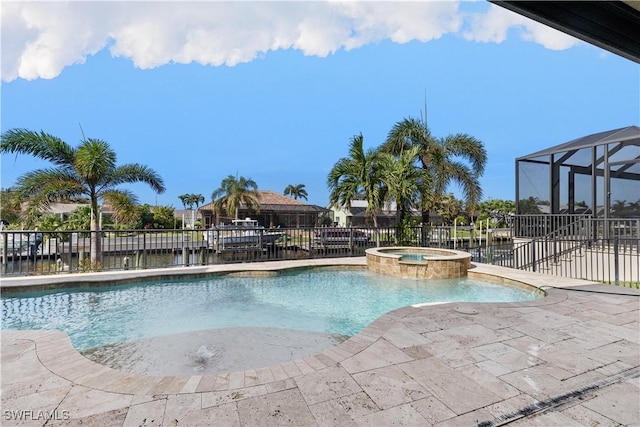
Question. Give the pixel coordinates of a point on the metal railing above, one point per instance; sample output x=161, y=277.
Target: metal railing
x=577, y=246
x=578, y=227
x=572, y=247
x=22, y=253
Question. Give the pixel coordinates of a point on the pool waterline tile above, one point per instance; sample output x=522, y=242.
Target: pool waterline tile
x=191, y=385
x=265, y=375
x=291, y=369
x=222, y=382
x=314, y=363
x=278, y=373
x=169, y=385
x=236, y=380
x=303, y=366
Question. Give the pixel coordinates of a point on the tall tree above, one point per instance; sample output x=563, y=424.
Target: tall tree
x=458, y=158
x=197, y=199
x=354, y=175
x=89, y=170
x=296, y=191
x=404, y=180
x=184, y=198
x=233, y=193
x=189, y=201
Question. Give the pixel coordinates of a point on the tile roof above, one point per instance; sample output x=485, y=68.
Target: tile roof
x=273, y=198
x=270, y=200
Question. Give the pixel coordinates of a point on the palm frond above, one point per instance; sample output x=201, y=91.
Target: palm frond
x=131, y=173
x=54, y=184
x=37, y=144
x=122, y=203
x=467, y=148
x=94, y=160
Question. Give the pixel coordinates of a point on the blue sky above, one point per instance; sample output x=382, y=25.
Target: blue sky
x=275, y=91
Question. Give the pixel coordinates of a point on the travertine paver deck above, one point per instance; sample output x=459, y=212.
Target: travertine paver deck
x=572, y=358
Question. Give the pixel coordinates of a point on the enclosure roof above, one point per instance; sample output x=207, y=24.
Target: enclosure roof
x=611, y=25
x=629, y=133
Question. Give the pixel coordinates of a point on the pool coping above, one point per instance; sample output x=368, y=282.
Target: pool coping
x=9, y=285
x=56, y=354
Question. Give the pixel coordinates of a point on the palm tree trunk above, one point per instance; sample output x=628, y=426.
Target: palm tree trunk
x=95, y=239
x=375, y=227
x=398, y=224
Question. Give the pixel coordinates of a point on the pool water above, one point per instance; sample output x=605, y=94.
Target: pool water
x=413, y=256
x=328, y=301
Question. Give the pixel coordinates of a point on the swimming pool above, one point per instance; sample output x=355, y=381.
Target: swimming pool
x=338, y=302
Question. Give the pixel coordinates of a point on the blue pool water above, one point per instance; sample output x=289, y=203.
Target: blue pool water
x=415, y=257
x=412, y=256
x=328, y=301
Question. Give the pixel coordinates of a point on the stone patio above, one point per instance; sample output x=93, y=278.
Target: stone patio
x=569, y=359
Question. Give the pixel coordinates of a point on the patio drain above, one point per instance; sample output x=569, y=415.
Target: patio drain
x=563, y=399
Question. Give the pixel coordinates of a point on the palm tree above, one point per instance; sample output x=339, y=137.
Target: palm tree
x=404, y=180
x=355, y=175
x=234, y=192
x=458, y=158
x=89, y=170
x=196, y=199
x=184, y=198
x=296, y=191
x=188, y=201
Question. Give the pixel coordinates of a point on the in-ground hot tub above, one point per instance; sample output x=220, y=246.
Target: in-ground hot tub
x=418, y=263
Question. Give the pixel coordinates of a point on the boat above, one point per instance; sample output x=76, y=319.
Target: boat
x=338, y=236
x=20, y=243
x=241, y=233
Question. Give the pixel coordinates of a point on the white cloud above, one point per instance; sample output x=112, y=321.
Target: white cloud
x=229, y=33
x=494, y=25
x=40, y=39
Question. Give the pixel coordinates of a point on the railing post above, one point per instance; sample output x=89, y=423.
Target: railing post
x=203, y=255
x=144, y=249
x=616, y=261
x=71, y=239
x=351, y=241
x=533, y=255
x=185, y=256
x=5, y=257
